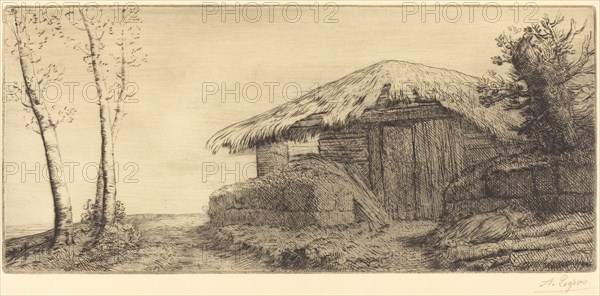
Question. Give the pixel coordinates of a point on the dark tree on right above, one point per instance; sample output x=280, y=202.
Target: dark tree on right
x=549, y=83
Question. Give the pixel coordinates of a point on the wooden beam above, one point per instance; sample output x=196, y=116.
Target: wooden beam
x=420, y=112
x=416, y=113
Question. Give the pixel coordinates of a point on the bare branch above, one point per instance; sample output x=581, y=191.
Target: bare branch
x=25, y=104
x=13, y=29
x=47, y=74
x=578, y=67
x=82, y=50
x=77, y=27
x=131, y=61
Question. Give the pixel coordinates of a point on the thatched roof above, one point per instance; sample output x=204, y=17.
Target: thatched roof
x=344, y=101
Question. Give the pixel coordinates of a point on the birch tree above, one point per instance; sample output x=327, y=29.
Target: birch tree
x=110, y=50
x=92, y=46
x=125, y=31
x=107, y=148
x=32, y=32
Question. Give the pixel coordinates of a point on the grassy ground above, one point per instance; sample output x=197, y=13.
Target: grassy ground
x=184, y=244
x=397, y=248
x=169, y=244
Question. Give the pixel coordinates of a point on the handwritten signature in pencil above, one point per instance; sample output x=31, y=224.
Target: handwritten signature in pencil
x=564, y=283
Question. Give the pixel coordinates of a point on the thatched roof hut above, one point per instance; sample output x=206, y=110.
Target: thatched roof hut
x=406, y=130
x=338, y=103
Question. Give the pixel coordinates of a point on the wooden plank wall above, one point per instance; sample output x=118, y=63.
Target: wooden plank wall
x=480, y=146
x=410, y=166
x=375, y=147
x=296, y=149
x=271, y=158
x=440, y=150
x=347, y=146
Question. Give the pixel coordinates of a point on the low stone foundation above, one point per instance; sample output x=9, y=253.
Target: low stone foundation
x=275, y=218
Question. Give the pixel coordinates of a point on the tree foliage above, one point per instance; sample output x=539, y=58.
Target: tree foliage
x=37, y=30
x=545, y=81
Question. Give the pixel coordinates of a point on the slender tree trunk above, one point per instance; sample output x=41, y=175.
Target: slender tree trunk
x=106, y=151
x=99, y=202
x=116, y=126
x=63, y=217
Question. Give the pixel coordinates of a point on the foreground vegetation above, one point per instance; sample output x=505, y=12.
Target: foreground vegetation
x=186, y=244
x=145, y=244
x=91, y=250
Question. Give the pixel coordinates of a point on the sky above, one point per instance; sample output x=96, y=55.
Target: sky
x=206, y=71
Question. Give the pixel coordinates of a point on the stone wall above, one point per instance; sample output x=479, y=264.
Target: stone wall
x=563, y=184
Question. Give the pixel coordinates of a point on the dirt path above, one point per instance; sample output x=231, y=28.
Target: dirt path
x=179, y=244
x=172, y=244
x=175, y=244
x=412, y=256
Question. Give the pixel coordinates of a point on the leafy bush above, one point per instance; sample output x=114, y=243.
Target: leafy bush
x=120, y=211
x=110, y=238
x=117, y=237
x=90, y=218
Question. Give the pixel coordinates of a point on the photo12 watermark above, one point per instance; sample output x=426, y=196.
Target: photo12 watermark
x=70, y=172
x=270, y=12
x=68, y=91
x=227, y=172
x=284, y=92
x=253, y=92
x=93, y=11
x=471, y=11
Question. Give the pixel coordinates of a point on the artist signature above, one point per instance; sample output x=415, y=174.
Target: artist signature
x=564, y=283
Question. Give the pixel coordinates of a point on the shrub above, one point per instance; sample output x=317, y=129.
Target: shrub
x=110, y=238
x=90, y=218
x=120, y=211
x=117, y=237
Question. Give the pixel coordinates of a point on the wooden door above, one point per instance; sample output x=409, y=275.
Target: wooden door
x=418, y=161
x=398, y=172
